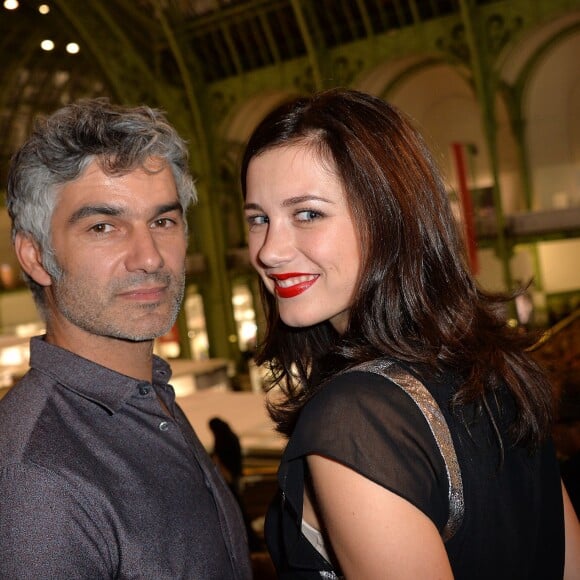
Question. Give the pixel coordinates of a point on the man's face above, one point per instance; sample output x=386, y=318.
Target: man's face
x=120, y=244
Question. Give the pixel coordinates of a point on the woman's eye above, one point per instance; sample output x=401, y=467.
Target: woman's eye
x=256, y=220
x=307, y=215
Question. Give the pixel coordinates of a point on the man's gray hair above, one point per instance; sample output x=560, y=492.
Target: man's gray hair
x=61, y=146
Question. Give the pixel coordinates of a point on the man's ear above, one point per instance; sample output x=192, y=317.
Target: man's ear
x=30, y=257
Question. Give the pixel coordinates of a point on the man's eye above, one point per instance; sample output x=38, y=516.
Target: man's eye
x=163, y=223
x=102, y=228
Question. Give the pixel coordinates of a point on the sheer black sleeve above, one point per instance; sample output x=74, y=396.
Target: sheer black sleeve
x=369, y=424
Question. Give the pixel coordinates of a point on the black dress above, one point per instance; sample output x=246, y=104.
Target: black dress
x=500, y=519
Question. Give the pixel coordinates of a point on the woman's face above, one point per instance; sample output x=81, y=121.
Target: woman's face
x=302, y=238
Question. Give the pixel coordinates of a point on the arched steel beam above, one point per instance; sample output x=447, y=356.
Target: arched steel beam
x=308, y=43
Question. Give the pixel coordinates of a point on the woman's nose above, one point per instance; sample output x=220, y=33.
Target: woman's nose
x=277, y=247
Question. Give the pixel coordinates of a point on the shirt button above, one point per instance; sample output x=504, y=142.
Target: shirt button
x=163, y=426
x=144, y=390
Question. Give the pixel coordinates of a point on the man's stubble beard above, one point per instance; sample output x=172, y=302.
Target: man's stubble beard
x=82, y=307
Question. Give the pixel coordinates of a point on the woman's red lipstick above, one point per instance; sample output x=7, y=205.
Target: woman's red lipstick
x=302, y=283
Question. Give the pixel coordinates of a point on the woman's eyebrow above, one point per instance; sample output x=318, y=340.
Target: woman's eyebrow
x=291, y=201
x=255, y=206
x=304, y=198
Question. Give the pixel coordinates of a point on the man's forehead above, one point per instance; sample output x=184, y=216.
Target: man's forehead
x=151, y=185
x=115, y=166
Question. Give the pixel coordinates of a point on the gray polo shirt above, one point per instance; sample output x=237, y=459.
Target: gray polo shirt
x=97, y=482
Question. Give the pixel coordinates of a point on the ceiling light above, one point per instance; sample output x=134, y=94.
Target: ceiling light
x=11, y=4
x=47, y=45
x=72, y=48
x=44, y=8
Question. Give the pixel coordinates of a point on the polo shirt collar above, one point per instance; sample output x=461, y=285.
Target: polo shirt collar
x=95, y=382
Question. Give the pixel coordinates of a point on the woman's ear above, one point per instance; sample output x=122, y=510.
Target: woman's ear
x=30, y=257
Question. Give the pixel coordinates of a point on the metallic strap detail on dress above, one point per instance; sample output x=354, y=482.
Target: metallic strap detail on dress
x=434, y=417
x=329, y=575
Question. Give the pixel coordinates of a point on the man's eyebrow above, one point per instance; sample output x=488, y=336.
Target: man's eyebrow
x=169, y=207
x=110, y=210
x=92, y=210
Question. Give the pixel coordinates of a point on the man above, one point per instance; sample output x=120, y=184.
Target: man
x=101, y=475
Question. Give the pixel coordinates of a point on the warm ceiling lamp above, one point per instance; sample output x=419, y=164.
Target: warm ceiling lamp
x=44, y=8
x=47, y=45
x=11, y=4
x=72, y=48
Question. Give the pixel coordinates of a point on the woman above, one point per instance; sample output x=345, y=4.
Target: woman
x=418, y=428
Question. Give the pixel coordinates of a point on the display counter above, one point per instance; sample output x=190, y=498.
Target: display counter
x=244, y=411
x=189, y=376
x=14, y=355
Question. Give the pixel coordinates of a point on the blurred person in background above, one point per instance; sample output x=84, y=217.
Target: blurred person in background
x=227, y=455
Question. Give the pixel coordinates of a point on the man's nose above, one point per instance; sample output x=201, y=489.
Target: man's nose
x=143, y=252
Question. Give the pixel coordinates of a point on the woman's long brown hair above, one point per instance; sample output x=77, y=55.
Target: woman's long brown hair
x=416, y=300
